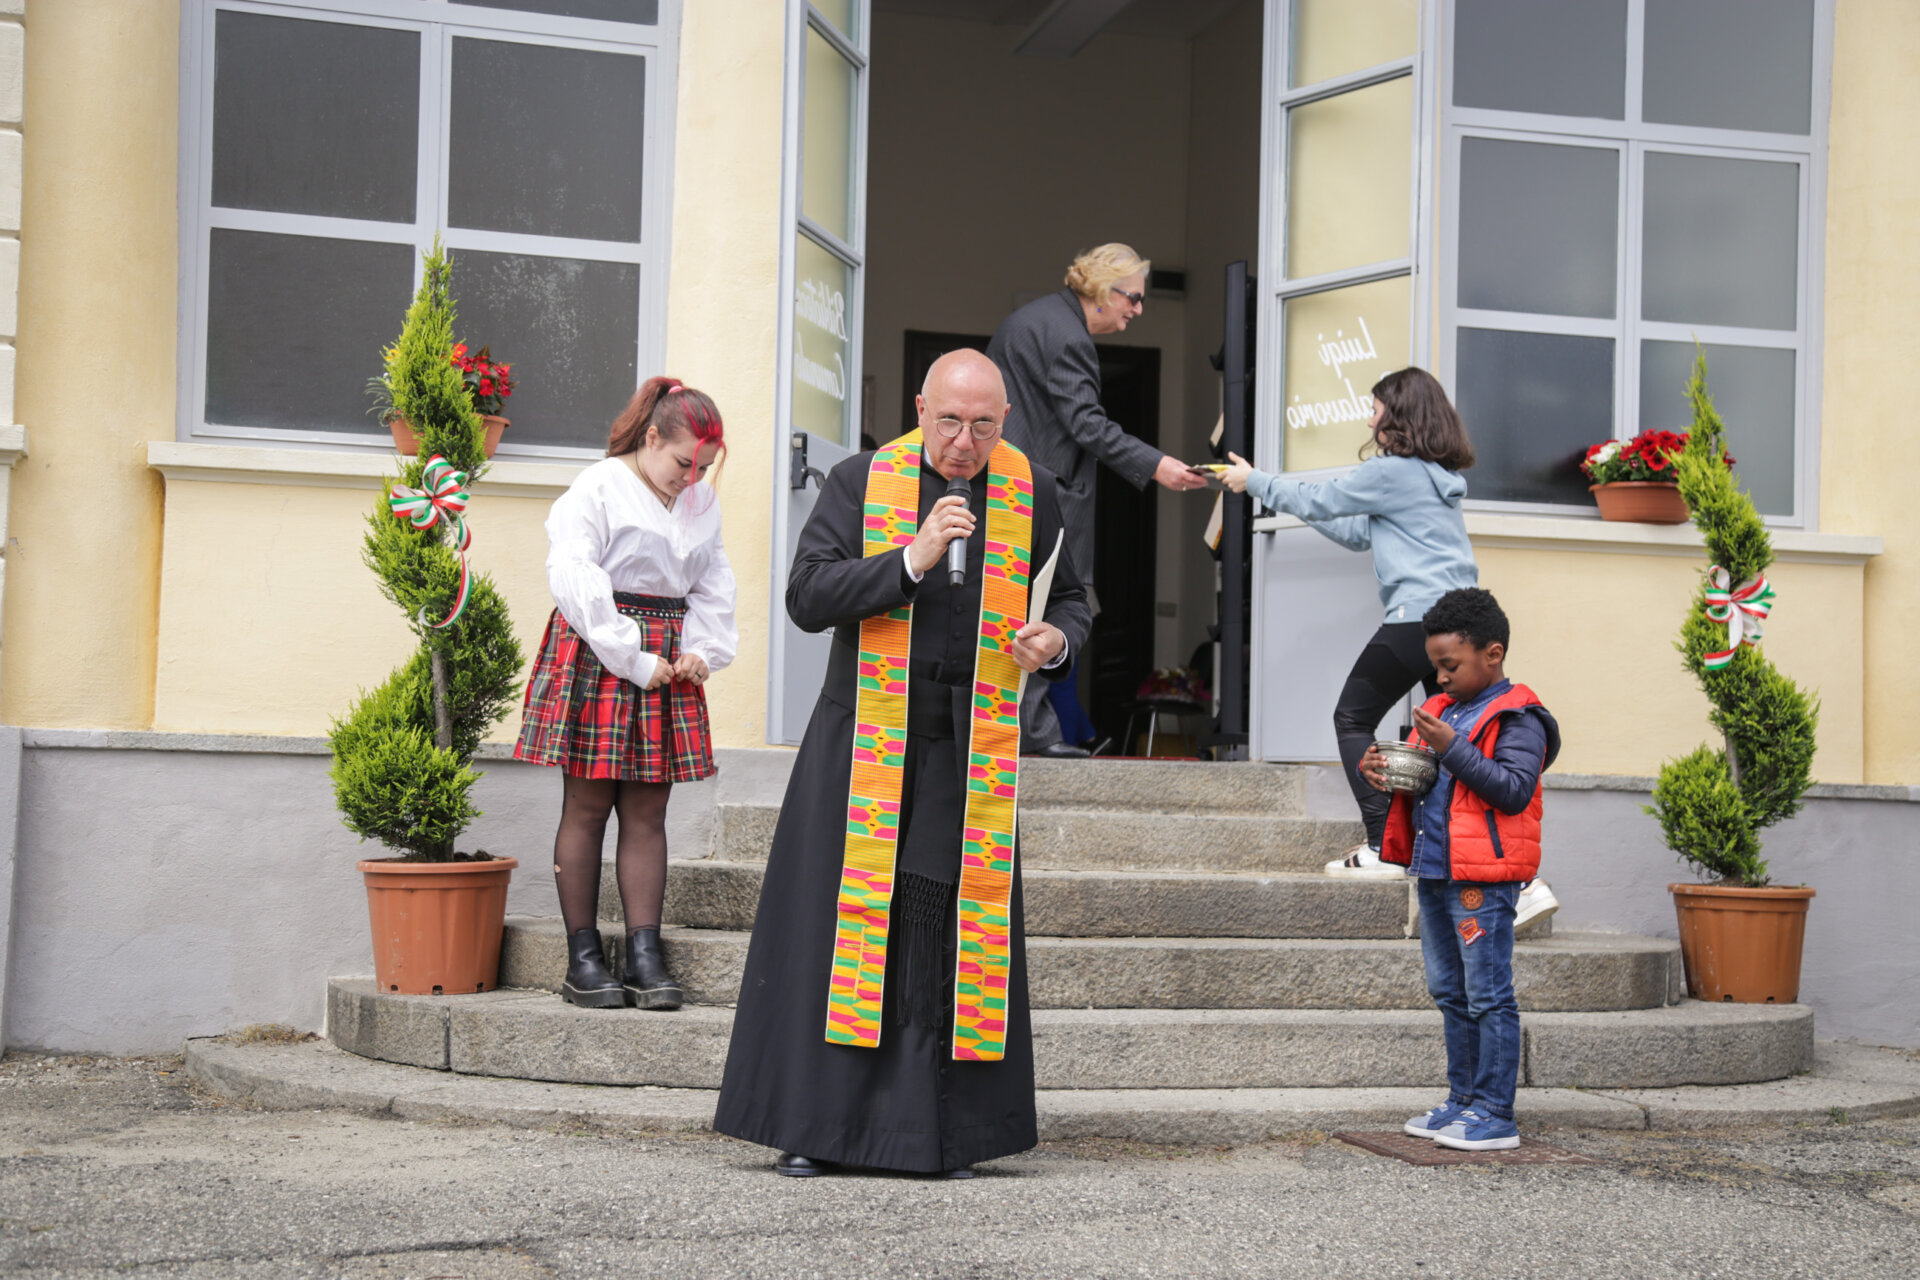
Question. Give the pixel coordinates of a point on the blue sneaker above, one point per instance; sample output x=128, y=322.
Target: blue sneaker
x=1472, y=1131
x=1425, y=1126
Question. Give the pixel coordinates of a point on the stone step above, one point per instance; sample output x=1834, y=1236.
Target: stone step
x=1061, y=839
x=1575, y=971
x=1854, y=1081
x=1164, y=786
x=533, y=1035
x=706, y=893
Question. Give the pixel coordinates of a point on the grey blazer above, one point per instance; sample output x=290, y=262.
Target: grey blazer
x=1052, y=372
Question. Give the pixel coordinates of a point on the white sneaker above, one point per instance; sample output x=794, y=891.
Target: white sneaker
x=1362, y=862
x=1535, y=903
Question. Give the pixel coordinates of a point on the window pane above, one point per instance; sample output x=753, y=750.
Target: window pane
x=1332, y=38
x=1721, y=241
x=841, y=14
x=295, y=325
x=1539, y=227
x=1559, y=57
x=644, y=12
x=1339, y=344
x=546, y=141
x=1350, y=177
x=315, y=117
x=822, y=352
x=1753, y=388
x=1532, y=403
x=1730, y=64
x=826, y=154
x=570, y=329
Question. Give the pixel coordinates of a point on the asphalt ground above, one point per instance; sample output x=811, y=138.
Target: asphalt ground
x=124, y=1167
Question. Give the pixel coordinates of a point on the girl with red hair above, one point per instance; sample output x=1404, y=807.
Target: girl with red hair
x=643, y=614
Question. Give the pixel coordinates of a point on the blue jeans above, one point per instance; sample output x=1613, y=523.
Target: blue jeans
x=1466, y=937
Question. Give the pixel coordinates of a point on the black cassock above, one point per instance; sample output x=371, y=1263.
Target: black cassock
x=907, y=1104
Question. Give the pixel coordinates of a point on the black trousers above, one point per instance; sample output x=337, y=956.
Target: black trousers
x=1393, y=662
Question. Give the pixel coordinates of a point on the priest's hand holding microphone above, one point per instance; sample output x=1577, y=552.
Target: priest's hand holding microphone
x=943, y=535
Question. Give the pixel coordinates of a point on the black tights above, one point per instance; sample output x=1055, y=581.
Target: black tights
x=641, y=857
x=1393, y=662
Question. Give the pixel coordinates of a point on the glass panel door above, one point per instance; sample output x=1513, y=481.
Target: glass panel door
x=822, y=269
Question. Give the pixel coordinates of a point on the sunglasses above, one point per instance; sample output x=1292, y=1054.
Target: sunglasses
x=1137, y=299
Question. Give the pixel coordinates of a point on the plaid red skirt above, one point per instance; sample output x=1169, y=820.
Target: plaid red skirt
x=594, y=724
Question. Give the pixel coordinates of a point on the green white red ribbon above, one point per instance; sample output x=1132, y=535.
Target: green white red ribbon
x=444, y=498
x=1742, y=608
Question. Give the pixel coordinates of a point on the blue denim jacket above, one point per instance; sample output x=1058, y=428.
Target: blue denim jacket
x=1506, y=781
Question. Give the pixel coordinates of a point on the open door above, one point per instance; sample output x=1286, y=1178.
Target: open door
x=1342, y=284
x=822, y=266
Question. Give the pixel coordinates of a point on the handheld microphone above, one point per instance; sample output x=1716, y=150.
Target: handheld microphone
x=962, y=488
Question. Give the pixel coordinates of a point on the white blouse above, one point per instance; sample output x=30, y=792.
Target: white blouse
x=608, y=533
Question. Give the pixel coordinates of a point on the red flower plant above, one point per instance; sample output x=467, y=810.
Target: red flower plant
x=1648, y=456
x=488, y=384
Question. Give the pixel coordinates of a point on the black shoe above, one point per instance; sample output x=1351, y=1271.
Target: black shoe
x=647, y=982
x=792, y=1166
x=589, y=984
x=1060, y=751
x=964, y=1171
x=1101, y=747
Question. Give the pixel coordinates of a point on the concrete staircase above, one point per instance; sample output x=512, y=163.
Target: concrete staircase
x=1180, y=937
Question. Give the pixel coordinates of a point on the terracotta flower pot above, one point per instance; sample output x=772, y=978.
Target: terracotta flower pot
x=437, y=925
x=1645, y=501
x=1742, y=944
x=405, y=441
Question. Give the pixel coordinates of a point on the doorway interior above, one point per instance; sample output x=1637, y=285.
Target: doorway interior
x=990, y=166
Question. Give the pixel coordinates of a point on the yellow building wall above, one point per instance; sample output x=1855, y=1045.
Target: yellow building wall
x=1869, y=450
x=96, y=365
x=1594, y=635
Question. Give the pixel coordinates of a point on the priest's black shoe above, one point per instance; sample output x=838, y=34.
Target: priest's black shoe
x=589, y=983
x=1061, y=751
x=792, y=1166
x=964, y=1171
x=648, y=984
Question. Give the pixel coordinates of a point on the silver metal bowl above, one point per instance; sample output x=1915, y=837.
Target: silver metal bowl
x=1409, y=768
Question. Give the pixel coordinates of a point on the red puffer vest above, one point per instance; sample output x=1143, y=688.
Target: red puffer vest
x=1484, y=845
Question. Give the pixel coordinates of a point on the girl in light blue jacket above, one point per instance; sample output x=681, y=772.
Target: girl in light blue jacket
x=1403, y=502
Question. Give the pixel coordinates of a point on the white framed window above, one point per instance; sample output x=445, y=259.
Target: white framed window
x=1618, y=179
x=324, y=143
x=1342, y=257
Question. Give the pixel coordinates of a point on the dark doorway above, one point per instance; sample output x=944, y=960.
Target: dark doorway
x=1120, y=653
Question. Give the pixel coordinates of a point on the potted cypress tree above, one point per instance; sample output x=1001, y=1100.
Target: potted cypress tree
x=1740, y=936
x=402, y=755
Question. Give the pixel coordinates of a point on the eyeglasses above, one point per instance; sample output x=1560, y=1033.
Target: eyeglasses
x=1137, y=299
x=949, y=428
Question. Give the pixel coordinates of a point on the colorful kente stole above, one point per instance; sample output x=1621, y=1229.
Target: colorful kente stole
x=891, y=518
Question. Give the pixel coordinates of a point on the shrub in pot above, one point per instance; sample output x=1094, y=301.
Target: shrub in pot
x=402, y=754
x=1740, y=936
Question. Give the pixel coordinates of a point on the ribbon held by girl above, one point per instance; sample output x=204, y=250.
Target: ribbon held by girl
x=444, y=498
x=1742, y=608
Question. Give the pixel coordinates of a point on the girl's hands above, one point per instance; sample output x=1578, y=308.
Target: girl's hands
x=661, y=674
x=1235, y=476
x=691, y=667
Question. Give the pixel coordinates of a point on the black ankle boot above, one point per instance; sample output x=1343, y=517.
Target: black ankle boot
x=648, y=984
x=589, y=983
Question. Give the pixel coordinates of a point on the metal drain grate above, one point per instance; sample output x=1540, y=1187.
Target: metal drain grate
x=1425, y=1151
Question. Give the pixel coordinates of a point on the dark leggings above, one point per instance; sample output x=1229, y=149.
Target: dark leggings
x=1393, y=662
x=641, y=851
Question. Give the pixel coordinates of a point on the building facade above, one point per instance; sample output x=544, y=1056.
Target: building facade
x=211, y=213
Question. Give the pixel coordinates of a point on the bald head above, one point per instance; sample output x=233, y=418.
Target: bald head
x=962, y=399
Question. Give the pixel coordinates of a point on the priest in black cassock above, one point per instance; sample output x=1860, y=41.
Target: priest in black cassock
x=905, y=1104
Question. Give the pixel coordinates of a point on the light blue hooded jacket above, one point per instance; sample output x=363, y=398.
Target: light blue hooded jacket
x=1406, y=509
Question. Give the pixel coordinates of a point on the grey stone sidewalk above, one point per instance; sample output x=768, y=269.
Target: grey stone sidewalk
x=127, y=1167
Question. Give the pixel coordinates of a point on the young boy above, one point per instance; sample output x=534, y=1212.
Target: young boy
x=1473, y=841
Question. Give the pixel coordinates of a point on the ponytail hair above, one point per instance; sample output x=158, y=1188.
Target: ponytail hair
x=671, y=408
x=1419, y=421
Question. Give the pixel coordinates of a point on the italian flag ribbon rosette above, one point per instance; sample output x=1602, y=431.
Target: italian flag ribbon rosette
x=1742, y=608
x=444, y=498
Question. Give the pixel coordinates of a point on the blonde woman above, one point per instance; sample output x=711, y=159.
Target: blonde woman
x=1046, y=354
